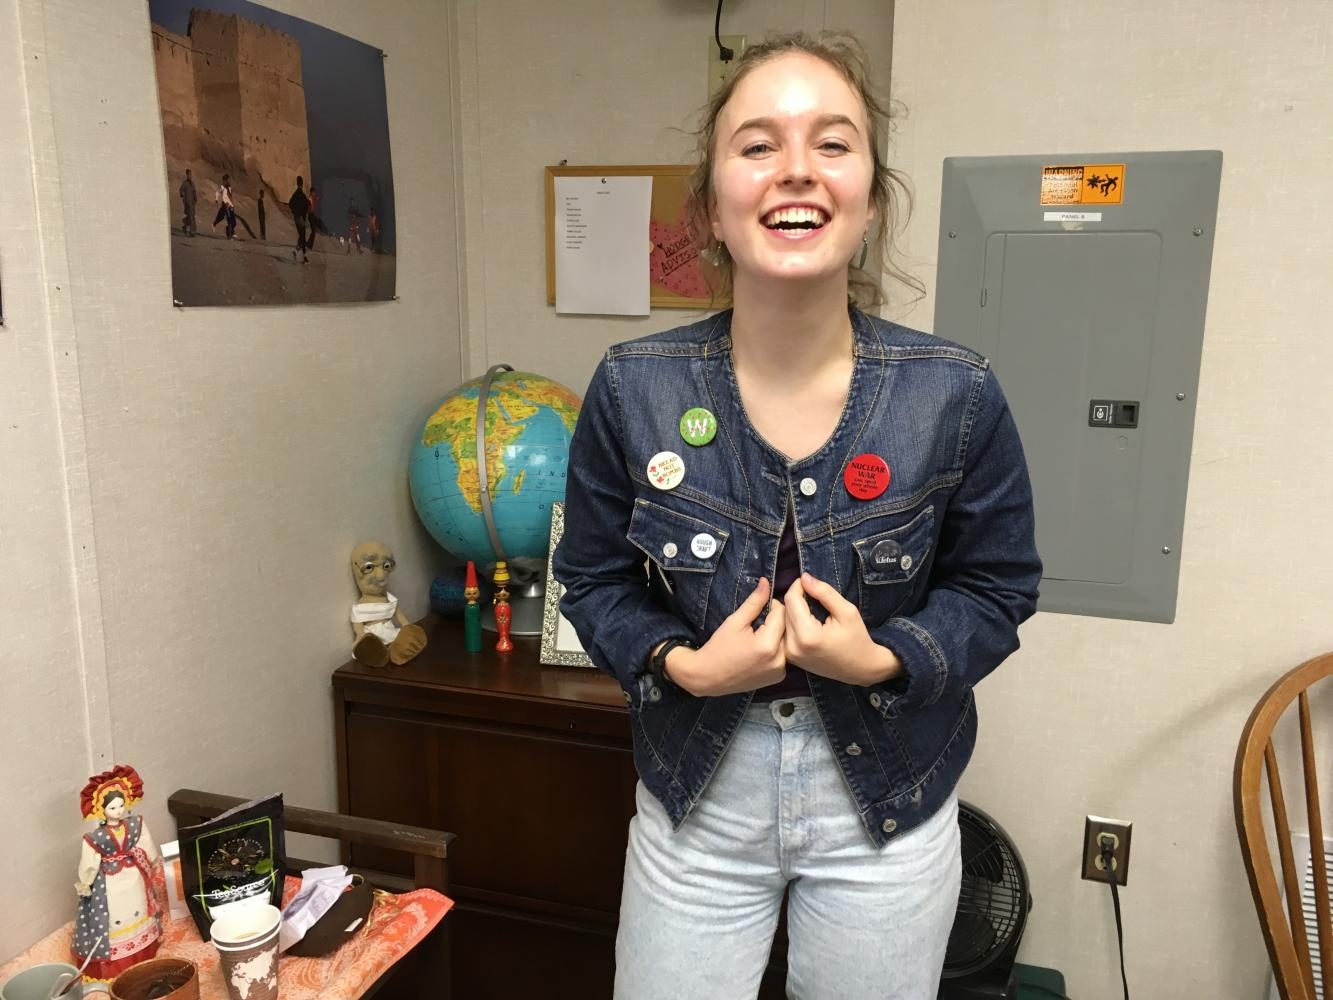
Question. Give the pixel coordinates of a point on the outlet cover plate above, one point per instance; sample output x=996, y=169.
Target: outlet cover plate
x=1093, y=867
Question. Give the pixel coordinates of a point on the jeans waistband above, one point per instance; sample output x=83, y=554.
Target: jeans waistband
x=784, y=713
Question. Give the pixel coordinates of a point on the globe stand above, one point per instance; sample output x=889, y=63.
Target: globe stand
x=529, y=604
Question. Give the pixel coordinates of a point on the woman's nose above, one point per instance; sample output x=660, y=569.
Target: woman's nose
x=796, y=167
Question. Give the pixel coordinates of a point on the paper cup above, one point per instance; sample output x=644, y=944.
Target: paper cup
x=36, y=983
x=247, y=945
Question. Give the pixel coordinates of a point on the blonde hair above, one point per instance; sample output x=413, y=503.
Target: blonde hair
x=890, y=192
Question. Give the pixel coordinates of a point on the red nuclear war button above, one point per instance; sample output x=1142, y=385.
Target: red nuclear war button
x=867, y=476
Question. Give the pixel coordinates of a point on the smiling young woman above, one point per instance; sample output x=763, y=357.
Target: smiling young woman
x=837, y=522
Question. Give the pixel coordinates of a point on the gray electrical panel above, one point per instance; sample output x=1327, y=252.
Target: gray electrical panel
x=1085, y=280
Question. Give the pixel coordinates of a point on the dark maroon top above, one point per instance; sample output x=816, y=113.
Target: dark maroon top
x=795, y=684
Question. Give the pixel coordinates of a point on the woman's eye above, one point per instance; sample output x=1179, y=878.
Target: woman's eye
x=835, y=145
x=756, y=148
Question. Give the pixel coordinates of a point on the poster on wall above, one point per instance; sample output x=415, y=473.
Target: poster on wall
x=279, y=179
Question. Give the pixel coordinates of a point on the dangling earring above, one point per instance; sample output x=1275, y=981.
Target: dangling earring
x=714, y=255
x=865, y=249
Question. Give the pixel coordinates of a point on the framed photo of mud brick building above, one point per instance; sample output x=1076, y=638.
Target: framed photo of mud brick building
x=278, y=168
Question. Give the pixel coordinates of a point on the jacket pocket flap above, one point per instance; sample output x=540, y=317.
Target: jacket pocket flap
x=896, y=555
x=675, y=541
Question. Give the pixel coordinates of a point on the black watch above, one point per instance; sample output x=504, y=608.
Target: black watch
x=657, y=662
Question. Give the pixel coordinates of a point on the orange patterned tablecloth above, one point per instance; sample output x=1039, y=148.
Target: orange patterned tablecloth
x=396, y=925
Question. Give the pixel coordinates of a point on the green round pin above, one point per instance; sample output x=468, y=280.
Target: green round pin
x=698, y=426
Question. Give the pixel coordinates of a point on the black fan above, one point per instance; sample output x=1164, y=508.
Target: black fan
x=993, y=906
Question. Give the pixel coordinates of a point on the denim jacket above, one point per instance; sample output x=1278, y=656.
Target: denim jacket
x=942, y=564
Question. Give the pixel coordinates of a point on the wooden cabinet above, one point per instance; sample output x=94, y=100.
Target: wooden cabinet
x=531, y=767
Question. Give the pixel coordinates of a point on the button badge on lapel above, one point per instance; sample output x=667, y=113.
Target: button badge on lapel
x=866, y=476
x=698, y=426
x=666, y=470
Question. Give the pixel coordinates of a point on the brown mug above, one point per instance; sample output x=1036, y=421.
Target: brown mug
x=157, y=979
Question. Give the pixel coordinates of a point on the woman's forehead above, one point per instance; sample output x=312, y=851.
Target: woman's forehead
x=792, y=86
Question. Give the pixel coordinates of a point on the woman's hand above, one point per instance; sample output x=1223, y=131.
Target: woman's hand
x=839, y=648
x=738, y=657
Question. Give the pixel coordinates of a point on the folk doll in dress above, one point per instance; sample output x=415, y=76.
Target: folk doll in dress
x=119, y=920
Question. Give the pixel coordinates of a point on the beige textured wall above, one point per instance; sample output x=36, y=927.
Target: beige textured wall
x=183, y=488
x=1134, y=720
x=52, y=698
x=597, y=85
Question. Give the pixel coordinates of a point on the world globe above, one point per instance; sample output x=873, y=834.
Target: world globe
x=529, y=421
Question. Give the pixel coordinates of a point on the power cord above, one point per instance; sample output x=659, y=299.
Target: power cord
x=723, y=53
x=1108, y=857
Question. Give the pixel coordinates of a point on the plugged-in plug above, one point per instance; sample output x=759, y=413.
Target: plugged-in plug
x=1106, y=849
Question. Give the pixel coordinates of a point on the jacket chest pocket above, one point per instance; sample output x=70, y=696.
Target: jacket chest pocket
x=889, y=563
x=684, y=552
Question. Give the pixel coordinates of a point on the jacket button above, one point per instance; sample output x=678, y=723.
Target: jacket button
x=875, y=699
x=889, y=825
x=809, y=487
x=786, y=709
x=905, y=562
x=654, y=693
x=669, y=550
x=853, y=750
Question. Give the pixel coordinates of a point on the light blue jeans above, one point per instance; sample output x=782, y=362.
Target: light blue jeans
x=700, y=905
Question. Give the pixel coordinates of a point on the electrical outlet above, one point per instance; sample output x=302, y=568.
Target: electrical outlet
x=718, y=71
x=1095, y=829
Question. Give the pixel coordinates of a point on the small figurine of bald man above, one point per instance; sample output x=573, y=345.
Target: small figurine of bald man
x=383, y=633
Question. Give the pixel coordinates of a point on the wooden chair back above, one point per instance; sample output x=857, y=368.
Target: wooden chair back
x=425, y=971
x=1284, y=927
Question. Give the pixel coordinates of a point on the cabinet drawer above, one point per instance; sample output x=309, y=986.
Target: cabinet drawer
x=538, y=815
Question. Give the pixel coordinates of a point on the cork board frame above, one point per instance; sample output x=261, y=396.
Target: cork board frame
x=676, y=274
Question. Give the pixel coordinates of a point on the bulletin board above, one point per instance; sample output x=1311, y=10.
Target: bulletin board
x=677, y=277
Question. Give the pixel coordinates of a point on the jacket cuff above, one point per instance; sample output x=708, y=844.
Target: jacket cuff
x=651, y=628
x=925, y=669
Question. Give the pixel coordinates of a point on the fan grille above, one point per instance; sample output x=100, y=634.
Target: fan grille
x=992, y=899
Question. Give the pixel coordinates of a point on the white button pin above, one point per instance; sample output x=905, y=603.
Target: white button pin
x=666, y=470
x=703, y=545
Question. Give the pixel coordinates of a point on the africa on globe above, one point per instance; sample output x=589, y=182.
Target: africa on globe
x=529, y=420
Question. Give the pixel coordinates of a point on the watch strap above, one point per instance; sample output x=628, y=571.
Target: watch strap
x=657, y=662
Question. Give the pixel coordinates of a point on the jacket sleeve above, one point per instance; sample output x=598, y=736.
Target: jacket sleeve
x=984, y=580
x=607, y=597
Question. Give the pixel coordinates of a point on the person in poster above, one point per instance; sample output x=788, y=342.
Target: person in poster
x=300, y=206
x=226, y=207
x=189, y=198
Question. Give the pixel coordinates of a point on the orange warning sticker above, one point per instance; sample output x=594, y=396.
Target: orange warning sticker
x=1083, y=184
